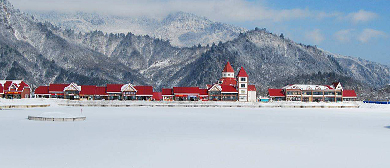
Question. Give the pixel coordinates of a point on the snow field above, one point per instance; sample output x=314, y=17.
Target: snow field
x=197, y=137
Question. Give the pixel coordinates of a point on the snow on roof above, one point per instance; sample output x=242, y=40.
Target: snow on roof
x=308, y=87
x=276, y=93
x=242, y=73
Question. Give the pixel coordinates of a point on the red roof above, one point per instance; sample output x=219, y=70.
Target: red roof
x=186, y=90
x=276, y=93
x=114, y=88
x=157, y=96
x=7, y=84
x=251, y=88
x=203, y=92
x=100, y=91
x=229, y=81
x=228, y=68
x=88, y=90
x=1, y=88
x=42, y=90
x=242, y=73
x=167, y=92
x=144, y=90
x=22, y=85
x=57, y=87
x=349, y=93
x=228, y=89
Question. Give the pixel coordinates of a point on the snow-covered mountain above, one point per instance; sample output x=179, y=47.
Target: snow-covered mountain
x=42, y=53
x=181, y=29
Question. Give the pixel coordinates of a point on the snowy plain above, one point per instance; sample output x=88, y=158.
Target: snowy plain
x=197, y=137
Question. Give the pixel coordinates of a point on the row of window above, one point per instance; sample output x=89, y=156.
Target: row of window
x=312, y=93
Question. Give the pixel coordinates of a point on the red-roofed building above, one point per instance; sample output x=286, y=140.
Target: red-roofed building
x=14, y=89
x=203, y=95
x=101, y=93
x=1, y=91
x=186, y=93
x=42, y=92
x=88, y=92
x=349, y=95
x=313, y=93
x=167, y=94
x=114, y=91
x=144, y=92
x=57, y=90
x=222, y=93
x=157, y=96
x=276, y=94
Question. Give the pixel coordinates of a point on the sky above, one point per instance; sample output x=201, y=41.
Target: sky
x=358, y=28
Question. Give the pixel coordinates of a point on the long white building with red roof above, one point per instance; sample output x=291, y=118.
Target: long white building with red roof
x=313, y=93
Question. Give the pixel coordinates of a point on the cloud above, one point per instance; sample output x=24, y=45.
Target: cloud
x=218, y=10
x=369, y=34
x=361, y=16
x=315, y=36
x=343, y=35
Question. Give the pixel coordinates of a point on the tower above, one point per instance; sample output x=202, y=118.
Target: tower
x=228, y=71
x=242, y=85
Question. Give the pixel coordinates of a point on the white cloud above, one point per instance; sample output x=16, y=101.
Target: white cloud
x=369, y=34
x=361, y=16
x=218, y=10
x=343, y=35
x=315, y=36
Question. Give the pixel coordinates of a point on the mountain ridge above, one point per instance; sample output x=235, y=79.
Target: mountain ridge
x=44, y=53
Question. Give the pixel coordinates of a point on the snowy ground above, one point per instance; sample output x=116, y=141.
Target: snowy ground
x=197, y=137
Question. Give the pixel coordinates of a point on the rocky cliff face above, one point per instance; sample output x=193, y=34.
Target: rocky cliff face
x=42, y=53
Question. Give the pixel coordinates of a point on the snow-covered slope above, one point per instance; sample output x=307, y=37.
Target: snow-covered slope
x=181, y=29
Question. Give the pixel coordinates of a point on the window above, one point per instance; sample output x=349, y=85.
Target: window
x=228, y=74
x=243, y=85
x=243, y=79
x=224, y=75
x=242, y=91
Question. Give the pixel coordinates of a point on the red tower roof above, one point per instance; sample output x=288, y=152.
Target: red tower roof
x=1, y=88
x=228, y=68
x=242, y=73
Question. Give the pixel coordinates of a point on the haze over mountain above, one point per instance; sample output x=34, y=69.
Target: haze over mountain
x=42, y=53
x=181, y=29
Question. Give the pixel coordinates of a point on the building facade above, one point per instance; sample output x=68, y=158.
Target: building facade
x=312, y=93
x=14, y=89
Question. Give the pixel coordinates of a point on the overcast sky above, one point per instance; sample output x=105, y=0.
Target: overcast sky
x=356, y=28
